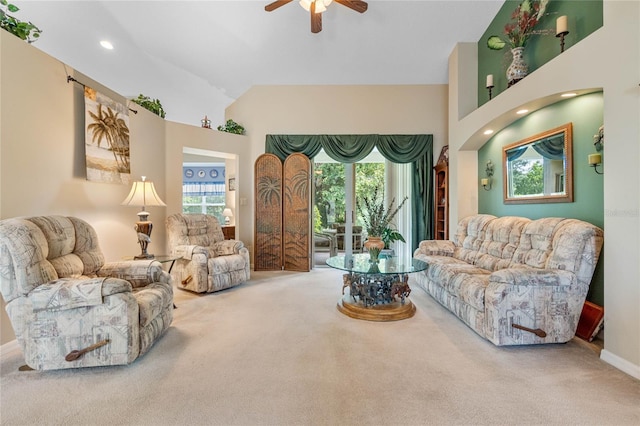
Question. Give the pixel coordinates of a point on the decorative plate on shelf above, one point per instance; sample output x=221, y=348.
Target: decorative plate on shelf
x=202, y=173
x=213, y=173
x=188, y=173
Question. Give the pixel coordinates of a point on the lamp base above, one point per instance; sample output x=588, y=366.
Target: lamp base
x=144, y=256
x=144, y=228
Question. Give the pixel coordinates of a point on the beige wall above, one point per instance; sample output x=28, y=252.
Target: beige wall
x=585, y=66
x=42, y=154
x=337, y=110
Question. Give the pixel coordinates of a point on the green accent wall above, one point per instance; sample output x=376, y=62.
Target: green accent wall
x=586, y=114
x=584, y=17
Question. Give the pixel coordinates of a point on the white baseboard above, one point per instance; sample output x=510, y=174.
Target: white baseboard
x=10, y=347
x=620, y=363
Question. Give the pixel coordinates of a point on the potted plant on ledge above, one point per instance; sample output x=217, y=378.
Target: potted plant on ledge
x=377, y=219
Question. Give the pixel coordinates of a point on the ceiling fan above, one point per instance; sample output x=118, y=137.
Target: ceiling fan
x=316, y=7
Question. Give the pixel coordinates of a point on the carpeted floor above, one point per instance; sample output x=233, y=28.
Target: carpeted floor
x=275, y=351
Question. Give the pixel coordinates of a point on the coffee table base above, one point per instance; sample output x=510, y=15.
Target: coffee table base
x=387, y=312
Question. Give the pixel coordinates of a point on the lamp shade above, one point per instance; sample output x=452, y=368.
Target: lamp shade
x=227, y=212
x=143, y=194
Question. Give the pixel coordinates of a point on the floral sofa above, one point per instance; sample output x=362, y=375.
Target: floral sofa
x=513, y=280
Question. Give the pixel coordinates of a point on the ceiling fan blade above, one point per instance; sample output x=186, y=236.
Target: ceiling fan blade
x=276, y=4
x=316, y=19
x=358, y=6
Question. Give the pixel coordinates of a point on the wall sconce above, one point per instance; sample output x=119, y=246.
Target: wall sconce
x=486, y=182
x=598, y=141
x=594, y=161
x=562, y=30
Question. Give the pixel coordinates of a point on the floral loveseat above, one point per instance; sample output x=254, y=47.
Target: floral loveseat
x=513, y=280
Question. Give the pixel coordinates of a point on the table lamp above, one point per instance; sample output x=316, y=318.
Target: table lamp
x=228, y=214
x=143, y=193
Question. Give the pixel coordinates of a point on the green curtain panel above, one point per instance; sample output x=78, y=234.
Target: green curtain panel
x=415, y=149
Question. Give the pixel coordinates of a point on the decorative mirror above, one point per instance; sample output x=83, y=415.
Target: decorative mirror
x=539, y=169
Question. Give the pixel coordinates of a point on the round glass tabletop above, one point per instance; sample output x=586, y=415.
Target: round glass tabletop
x=361, y=263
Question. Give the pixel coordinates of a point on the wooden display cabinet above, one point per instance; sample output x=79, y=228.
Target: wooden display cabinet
x=441, y=211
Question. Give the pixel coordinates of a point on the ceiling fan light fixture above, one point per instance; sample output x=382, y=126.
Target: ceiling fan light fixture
x=306, y=4
x=321, y=5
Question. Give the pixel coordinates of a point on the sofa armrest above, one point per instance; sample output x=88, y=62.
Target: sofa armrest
x=66, y=293
x=227, y=247
x=537, y=299
x=137, y=272
x=187, y=251
x=436, y=248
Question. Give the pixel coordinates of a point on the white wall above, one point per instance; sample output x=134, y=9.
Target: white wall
x=587, y=66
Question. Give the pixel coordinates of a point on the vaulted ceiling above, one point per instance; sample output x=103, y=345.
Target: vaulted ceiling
x=199, y=56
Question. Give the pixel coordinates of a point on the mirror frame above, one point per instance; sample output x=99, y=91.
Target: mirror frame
x=567, y=197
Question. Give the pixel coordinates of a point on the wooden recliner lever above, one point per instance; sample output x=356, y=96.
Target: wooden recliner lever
x=538, y=332
x=74, y=355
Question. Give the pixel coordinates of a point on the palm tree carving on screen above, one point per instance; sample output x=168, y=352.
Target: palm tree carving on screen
x=108, y=126
x=296, y=191
x=268, y=238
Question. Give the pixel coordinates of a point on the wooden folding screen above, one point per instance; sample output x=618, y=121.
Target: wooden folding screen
x=268, y=208
x=283, y=213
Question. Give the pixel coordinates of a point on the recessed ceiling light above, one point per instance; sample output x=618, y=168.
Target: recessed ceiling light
x=569, y=95
x=488, y=132
x=522, y=111
x=106, y=44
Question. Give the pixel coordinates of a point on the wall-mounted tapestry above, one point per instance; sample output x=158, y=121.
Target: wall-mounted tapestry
x=106, y=139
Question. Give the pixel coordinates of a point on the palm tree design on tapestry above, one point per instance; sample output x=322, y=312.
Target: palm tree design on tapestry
x=113, y=129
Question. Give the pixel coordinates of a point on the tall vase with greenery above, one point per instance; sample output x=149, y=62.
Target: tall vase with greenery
x=516, y=34
x=377, y=219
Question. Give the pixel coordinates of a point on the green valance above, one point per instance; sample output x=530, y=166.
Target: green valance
x=351, y=148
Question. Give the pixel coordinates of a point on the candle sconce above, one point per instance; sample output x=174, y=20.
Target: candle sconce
x=595, y=160
x=490, y=85
x=486, y=182
x=561, y=30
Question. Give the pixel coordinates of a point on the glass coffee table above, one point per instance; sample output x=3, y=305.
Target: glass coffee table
x=377, y=291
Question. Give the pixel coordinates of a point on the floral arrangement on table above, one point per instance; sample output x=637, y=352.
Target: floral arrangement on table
x=521, y=28
x=377, y=218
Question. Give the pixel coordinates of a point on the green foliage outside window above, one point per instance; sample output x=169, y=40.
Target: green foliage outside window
x=527, y=177
x=330, y=188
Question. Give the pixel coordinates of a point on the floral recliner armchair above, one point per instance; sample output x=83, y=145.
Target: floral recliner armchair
x=206, y=261
x=67, y=307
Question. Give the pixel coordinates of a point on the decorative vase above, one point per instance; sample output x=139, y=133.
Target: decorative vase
x=374, y=246
x=518, y=68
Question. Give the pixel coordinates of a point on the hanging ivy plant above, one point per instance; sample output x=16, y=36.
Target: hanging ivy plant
x=232, y=127
x=25, y=30
x=152, y=105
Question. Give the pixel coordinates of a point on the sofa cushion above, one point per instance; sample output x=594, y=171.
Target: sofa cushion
x=469, y=236
x=536, y=243
x=501, y=239
x=460, y=279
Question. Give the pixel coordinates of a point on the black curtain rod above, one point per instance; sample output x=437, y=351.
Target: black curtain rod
x=69, y=78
